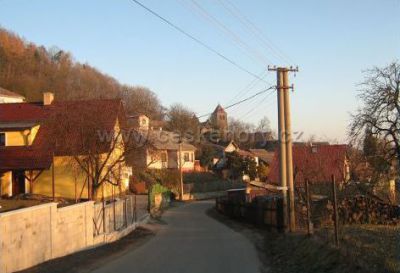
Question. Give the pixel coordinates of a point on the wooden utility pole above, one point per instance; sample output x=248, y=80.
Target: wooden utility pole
x=180, y=169
x=289, y=144
x=285, y=144
x=282, y=141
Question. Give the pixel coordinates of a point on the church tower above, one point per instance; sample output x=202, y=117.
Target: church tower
x=219, y=119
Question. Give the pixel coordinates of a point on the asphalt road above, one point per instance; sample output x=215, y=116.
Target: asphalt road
x=189, y=241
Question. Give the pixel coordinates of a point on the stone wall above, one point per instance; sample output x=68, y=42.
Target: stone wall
x=37, y=234
x=26, y=237
x=73, y=229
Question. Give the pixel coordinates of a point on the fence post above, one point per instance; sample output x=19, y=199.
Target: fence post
x=126, y=212
x=114, y=218
x=132, y=212
x=367, y=209
x=135, y=210
x=335, y=211
x=103, y=208
x=309, y=224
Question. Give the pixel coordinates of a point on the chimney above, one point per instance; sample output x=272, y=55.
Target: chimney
x=48, y=98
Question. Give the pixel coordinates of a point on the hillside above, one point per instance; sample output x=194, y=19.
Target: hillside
x=30, y=70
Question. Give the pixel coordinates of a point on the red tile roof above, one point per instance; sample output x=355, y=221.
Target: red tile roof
x=24, y=158
x=317, y=163
x=61, y=126
x=21, y=112
x=73, y=122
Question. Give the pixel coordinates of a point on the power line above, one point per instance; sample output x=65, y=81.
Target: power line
x=249, y=98
x=256, y=106
x=258, y=56
x=254, y=30
x=267, y=105
x=196, y=40
x=244, y=100
x=201, y=13
x=195, y=8
x=245, y=90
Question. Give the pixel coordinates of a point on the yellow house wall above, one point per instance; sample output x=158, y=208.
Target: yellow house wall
x=17, y=138
x=69, y=178
x=33, y=133
x=65, y=177
x=5, y=183
x=69, y=181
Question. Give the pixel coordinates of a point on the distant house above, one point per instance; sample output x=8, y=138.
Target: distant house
x=35, y=150
x=316, y=163
x=10, y=97
x=224, y=148
x=271, y=144
x=139, y=122
x=263, y=155
x=161, y=149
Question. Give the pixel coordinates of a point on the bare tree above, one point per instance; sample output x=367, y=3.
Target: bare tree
x=380, y=111
x=264, y=125
x=91, y=136
x=141, y=100
x=182, y=121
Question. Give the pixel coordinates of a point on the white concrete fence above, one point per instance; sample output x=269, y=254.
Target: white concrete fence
x=37, y=234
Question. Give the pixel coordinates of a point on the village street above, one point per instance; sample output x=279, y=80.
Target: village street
x=190, y=241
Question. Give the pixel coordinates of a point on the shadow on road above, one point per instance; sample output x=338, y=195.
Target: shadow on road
x=88, y=260
x=254, y=235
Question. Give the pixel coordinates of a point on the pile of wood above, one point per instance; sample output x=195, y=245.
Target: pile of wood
x=366, y=210
x=359, y=209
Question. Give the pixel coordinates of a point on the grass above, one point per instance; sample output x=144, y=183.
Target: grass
x=375, y=247
x=300, y=253
x=363, y=248
x=292, y=253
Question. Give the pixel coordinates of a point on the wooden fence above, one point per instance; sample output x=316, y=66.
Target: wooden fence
x=119, y=214
x=263, y=211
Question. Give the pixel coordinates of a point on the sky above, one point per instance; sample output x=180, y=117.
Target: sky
x=332, y=42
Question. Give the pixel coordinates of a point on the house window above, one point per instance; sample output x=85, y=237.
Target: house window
x=186, y=157
x=2, y=139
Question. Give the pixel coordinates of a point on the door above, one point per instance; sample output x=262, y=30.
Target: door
x=18, y=182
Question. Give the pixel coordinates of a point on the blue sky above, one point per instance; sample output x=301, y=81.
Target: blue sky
x=330, y=41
